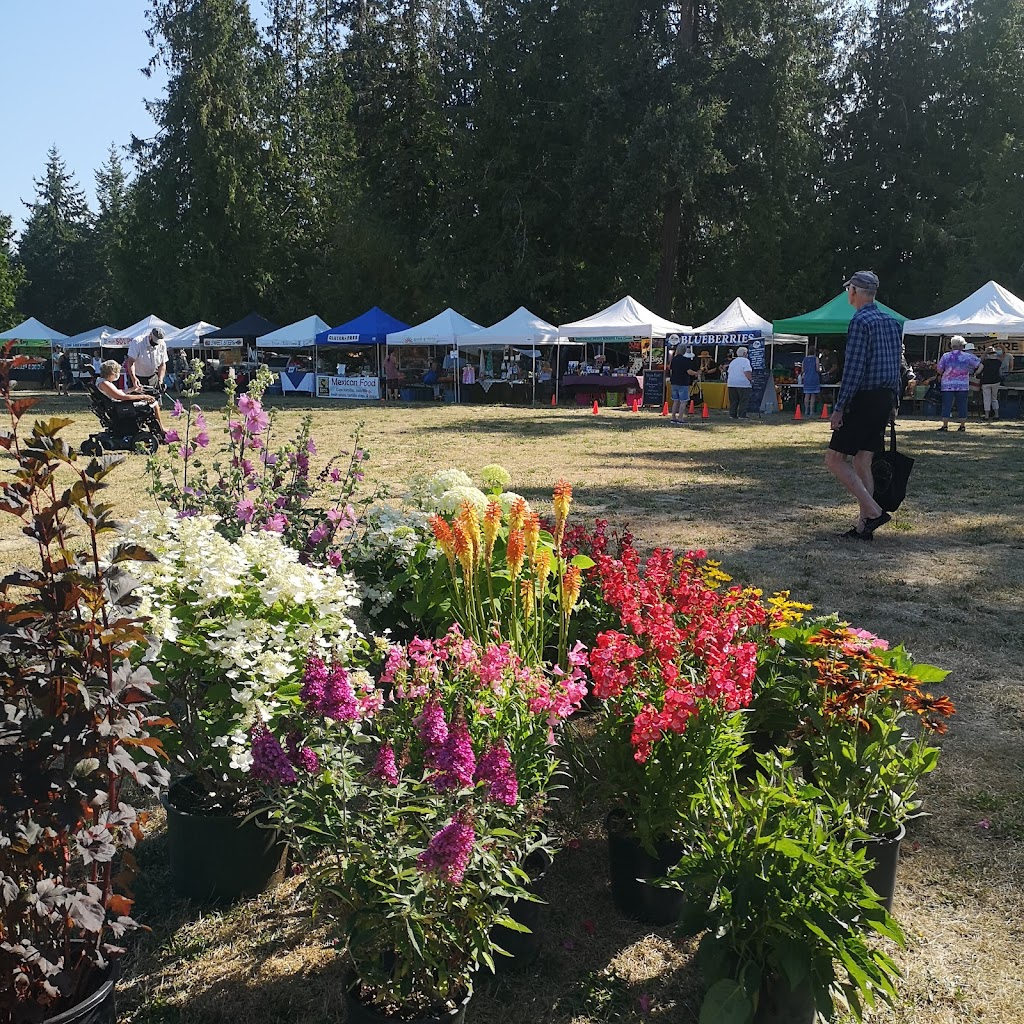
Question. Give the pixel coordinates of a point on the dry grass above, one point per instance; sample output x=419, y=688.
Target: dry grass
x=946, y=580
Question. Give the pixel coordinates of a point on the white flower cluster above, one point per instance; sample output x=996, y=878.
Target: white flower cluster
x=264, y=612
x=426, y=491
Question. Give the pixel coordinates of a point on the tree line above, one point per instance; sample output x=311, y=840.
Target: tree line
x=423, y=153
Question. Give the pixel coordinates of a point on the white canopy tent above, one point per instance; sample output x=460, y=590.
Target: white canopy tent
x=32, y=330
x=736, y=317
x=301, y=334
x=140, y=330
x=521, y=330
x=191, y=336
x=443, y=329
x=625, y=318
x=990, y=310
x=96, y=338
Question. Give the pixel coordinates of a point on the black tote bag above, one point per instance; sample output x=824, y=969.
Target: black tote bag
x=891, y=471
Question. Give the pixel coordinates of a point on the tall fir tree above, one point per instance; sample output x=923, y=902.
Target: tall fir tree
x=108, y=296
x=200, y=232
x=55, y=250
x=11, y=275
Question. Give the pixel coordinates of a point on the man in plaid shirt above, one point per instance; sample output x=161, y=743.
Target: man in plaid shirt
x=867, y=400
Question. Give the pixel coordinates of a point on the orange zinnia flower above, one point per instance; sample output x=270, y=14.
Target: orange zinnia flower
x=492, y=522
x=444, y=537
x=572, y=582
x=515, y=552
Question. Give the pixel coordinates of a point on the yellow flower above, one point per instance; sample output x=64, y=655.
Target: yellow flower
x=463, y=549
x=562, y=501
x=531, y=533
x=445, y=539
x=713, y=575
x=492, y=522
x=783, y=611
x=572, y=582
x=542, y=568
x=526, y=592
x=467, y=518
x=517, y=514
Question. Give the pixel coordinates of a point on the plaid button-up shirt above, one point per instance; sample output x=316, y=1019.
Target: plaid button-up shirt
x=874, y=350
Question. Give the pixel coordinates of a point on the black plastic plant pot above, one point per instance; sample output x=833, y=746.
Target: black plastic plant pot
x=358, y=1012
x=97, y=1008
x=777, y=1003
x=220, y=858
x=523, y=947
x=630, y=866
x=885, y=852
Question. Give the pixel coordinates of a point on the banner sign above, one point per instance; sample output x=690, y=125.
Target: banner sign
x=342, y=339
x=729, y=340
x=598, y=341
x=225, y=343
x=348, y=387
x=758, y=369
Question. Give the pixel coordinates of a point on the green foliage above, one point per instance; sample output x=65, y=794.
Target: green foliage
x=778, y=888
x=12, y=275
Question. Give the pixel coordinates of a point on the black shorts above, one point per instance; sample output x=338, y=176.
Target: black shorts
x=864, y=422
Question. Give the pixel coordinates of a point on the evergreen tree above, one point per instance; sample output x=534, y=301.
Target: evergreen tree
x=55, y=251
x=109, y=233
x=11, y=275
x=200, y=229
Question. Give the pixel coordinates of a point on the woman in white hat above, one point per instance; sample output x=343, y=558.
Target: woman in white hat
x=955, y=369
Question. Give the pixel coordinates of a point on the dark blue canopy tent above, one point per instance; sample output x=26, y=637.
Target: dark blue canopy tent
x=372, y=328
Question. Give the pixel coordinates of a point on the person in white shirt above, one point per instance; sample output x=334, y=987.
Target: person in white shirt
x=147, y=360
x=739, y=382
x=96, y=364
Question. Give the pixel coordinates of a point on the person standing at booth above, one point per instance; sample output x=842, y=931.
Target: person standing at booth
x=991, y=377
x=392, y=379
x=740, y=382
x=955, y=367
x=682, y=373
x=810, y=381
x=867, y=400
x=147, y=360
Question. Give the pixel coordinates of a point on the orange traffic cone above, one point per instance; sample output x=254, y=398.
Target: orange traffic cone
x=692, y=408
x=664, y=409
x=595, y=406
x=799, y=415
x=635, y=405
x=824, y=411
x=704, y=413
x=554, y=401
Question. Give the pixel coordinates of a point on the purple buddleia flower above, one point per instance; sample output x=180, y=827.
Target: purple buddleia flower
x=433, y=729
x=385, y=768
x=449, y=851
x=302, y=757
x=329, y=692
x=269, y=761
x=455, y=759
x=495, y=768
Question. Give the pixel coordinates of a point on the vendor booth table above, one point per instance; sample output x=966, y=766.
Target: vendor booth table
x=586, y=387
x=355, y=346
x=301, y=382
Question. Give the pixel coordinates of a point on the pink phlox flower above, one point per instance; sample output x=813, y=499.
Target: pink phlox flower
x=245, y=510
x=385, y=768
x=395, y=663
x=495, y=769
x=422, y=653
x=455, y=759
x=449, y=851
x=276, y=523
x=269, y=761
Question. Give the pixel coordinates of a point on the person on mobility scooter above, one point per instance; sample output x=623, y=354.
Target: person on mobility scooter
x=130, y=418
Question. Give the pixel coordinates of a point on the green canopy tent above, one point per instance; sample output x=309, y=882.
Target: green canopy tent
x=832, y=318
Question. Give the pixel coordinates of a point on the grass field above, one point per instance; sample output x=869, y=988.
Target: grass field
x=946, y=579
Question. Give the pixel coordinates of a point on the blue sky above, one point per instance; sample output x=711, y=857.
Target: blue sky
x=72, y=79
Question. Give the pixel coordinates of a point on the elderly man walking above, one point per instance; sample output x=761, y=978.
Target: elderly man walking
x=867, y=400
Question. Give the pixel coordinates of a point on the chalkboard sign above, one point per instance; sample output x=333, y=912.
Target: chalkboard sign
x=654, y=387
x=758, y=371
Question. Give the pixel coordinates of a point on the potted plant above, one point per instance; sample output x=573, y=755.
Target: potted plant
x=414, y=811
x=75, y=722
x=778, y=890
x=865, y=728
x=672, y=679
x=233, y=621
